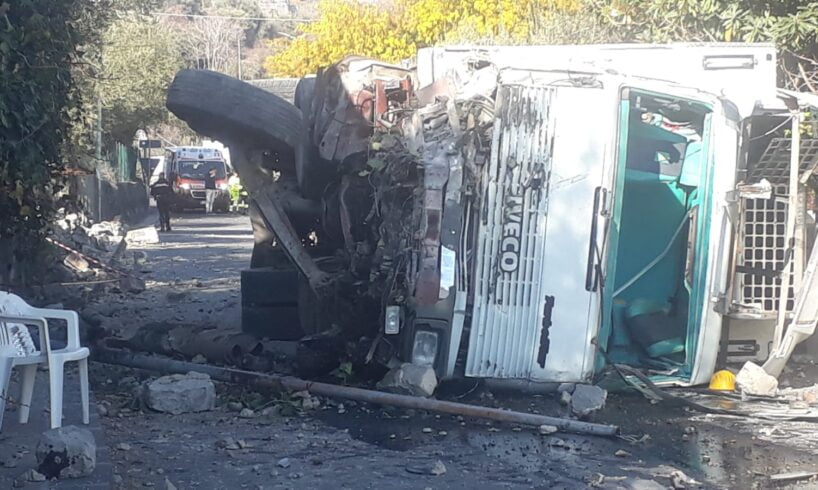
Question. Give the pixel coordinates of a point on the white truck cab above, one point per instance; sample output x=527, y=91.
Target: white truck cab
x=608, y=222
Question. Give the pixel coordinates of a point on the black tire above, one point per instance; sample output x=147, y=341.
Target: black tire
x=229, y=110
x=226, y=108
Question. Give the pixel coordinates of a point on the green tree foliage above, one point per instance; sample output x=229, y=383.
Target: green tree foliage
x=42, y=42
x=791, y=24
x=139, y=59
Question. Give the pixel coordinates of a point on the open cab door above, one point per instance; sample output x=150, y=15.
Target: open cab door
x=670, y=235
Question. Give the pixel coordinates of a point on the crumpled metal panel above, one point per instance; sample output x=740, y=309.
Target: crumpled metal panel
x=350, y=97
x=509, y=301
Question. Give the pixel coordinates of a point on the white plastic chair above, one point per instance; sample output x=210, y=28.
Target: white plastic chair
x=17, y=349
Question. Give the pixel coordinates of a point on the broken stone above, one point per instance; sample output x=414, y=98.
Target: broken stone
x=228, y=443
x=247, y=413
x=199, y=359
x=587, y=399
x=566, y=387
x=33, y=475
x=438, y=469
x=410, y=379
x=140, y=258
x=680, y=481
x=621, y=453
x=144, y=235
x=123, y=446
x=66, y=452
x=754, y=380
x=284, y=462
x=565, y=398
x=181, y=393
x=427, y=430
x=546, y=430
x=76, y=262
x=235, y=406
x=271, y=411
x=169, y=485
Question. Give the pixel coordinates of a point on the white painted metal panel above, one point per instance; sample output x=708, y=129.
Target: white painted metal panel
x=533, y=317
x=743, y=72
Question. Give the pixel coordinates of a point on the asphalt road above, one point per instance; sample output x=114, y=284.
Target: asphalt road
x=193, y=278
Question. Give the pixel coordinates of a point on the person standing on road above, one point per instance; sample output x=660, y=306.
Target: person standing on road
x=210, y=190
x=163, y=195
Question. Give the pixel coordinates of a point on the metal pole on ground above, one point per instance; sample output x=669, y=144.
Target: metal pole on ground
x=290, y=383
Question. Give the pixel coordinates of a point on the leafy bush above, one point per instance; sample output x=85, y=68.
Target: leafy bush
x=42, y=51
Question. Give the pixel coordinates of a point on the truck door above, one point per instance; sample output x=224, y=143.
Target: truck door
x=542, y=226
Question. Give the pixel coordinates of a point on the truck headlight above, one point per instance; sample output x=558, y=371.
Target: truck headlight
x=184, y=186
x=391, y=325
x=424, y=350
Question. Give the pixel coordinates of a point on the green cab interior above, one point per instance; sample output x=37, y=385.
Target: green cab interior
x=654, y=280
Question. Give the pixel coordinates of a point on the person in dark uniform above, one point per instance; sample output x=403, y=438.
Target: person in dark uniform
x=163, y=195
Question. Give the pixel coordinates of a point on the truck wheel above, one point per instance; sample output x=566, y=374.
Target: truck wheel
x=226, y=108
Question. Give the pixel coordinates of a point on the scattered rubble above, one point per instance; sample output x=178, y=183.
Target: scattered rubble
x=410, y=379
x=587, y=399
x=754, y=380
x=565, y=398
x=436, y=469
x=66, y=452
x=181, y=393
x=547, y=430
x=132, y=284
x=76, y=262
x=808, y=395
x=33, y=476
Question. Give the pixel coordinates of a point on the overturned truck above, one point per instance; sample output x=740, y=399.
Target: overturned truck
x=526, y=213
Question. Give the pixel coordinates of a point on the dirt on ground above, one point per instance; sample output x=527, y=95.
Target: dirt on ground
x=273, y=440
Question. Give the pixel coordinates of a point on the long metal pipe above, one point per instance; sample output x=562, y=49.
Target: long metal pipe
x=792, y=209
x=290, y=383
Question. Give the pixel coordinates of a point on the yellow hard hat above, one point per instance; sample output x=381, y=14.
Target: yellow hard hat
x=723, y=381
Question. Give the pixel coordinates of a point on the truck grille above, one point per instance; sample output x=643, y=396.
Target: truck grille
x=509, y=302
x=763, y=232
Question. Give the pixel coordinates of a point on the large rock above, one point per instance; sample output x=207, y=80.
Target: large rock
x=754, y=380
x=410, y=379
x=587, y=399
x=67, y=452
x=181, y=393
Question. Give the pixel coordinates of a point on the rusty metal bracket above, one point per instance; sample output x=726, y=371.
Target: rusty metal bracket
x=277, y=221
